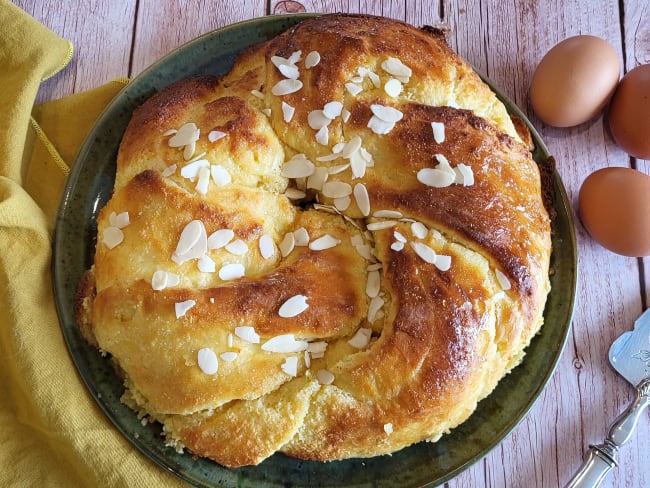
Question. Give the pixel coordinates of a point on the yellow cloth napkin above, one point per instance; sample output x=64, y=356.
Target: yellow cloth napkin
x=51, y=431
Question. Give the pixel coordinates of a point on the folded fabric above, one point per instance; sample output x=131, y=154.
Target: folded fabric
x=52, y=432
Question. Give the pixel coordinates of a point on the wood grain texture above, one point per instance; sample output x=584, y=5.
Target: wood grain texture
x=101, y=33
x=506, y=41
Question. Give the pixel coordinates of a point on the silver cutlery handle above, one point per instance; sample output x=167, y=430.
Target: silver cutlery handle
x=602, y=458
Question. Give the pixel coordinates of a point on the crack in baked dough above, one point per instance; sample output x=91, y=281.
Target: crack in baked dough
x=443, y=335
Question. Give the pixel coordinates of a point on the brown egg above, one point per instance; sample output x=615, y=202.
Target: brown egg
x=574, y=81
x=629, y=113
x=614, y=205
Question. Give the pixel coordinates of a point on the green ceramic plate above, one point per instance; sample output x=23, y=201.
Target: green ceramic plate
x=88, y=189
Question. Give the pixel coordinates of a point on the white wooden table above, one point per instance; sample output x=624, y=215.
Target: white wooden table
x=505, y=40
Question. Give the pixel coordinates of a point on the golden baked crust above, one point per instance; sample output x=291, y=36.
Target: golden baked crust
x=462, y=266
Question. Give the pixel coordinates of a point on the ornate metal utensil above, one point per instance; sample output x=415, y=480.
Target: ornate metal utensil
x=629, y=355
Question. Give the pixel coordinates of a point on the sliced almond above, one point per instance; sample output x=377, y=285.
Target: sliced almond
x=286, y=87
x=290, y=366
x=374, y=308
x=353, y=89
x=220, y=175
x=362, y=199
x=247, y=334
x=331, y=110
x=294, y=306
x=379, y=126
x=267, y=246
x=220, y=238
x=206, y=264
x=443, y=263
x=204, y=180
x=181, y=308
x=192, y=244
x=435, y=178
x=342, y=203
x=301, y=237
x=336, y=189
x=325, y=377
x=287, y=112
x=323, y=136
x=373, y=284
x=386, y=113
x=298, y=167
x=207, y=361
x=312, y=59
x=215, y=135
x=287, y=244
x=191, y=170
x=232, y=271
x=382, y=224
x=294, y=193
x=361, y=338
x=237, y=247
x=419, y=230
x=120, y=220
x=324, y=242
x=426, y=253
x=318, y=179
x=393, y=87
x=503, y=280
x=388, y=214
x=285, y=343
x=438, y=129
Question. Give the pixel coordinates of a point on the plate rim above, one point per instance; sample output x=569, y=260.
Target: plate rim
x=81, y=159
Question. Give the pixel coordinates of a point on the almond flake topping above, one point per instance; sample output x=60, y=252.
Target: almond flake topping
x=345, y=115
x=187, y=134
x=191, y=170
x=192, y=244
x=373, y=284
x=120, y=220
x=419, y=230
x=204, y=180
x=232, y=271
x=325, y=377
x=336, y=189
x=317, y=349
x=388, y=428
x=112, y=236
x=169, y=132
x=267, y=246
x=301, y=237
x=397, y=246
x=374, y=308
x=426, y=253
x=181, y=308
x=393, y=87
x=324, y=242
x=438, y=132
x=298, y=167
x=342, y=203
x=294, y=306
x=286, y=87
x=206, y=264
x=207, y=360
x=435, y=177
x=353, y=89
x=318, y=179
x=294, y=194
x=287, y=244
x=379, y=126
x=312, y=59
x=215, y=135
x=169, y=170
x=361, y=338
x=257, y=94
x=238, y=247
x=399, y=237
x=386, y=113
x=464, y=175
x=331, y=110
x=322, y=136
x=388, y=214
x=220, y=175
x=220, y=238
x=164, y=279
x=395, y=67
x=228, y=356
x=289, y=71
x=362, y=199
x=290, y=366
x=285, y=343
x=287, y=112
x=443, y=263
x=383, y=224
x=503, y=280
x=247, y=333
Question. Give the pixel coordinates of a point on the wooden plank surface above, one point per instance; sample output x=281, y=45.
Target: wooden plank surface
x=504, y=40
